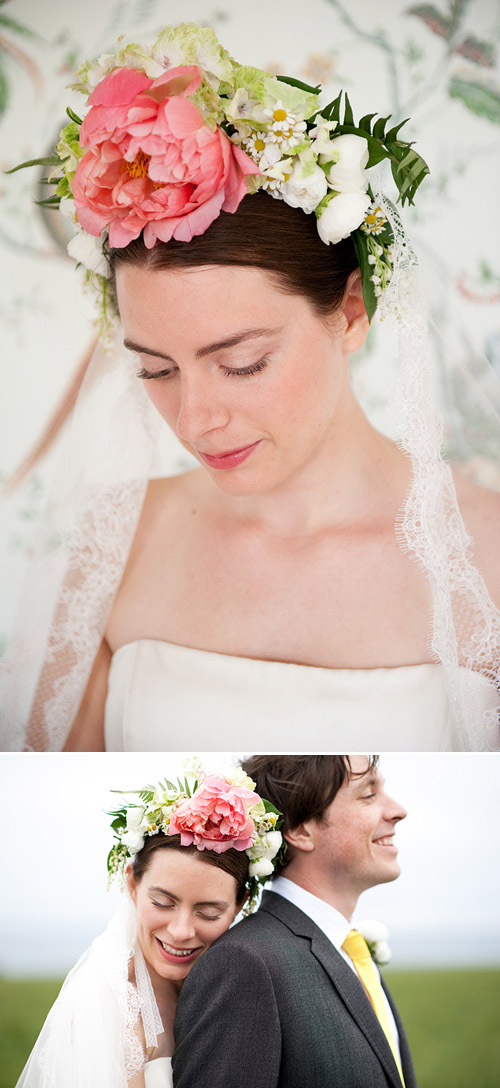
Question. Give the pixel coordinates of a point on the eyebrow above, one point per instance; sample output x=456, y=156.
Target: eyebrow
x=201, y=902
x=210, y=349
x=373, y=780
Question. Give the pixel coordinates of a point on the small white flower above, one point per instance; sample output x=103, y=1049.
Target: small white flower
x=348, y=175
x=341, y=216
x=265, y=846
x=134, y=817
x=284, y=127
x=243, y=106
x=193, y=766
x=68, y=210
x=305, y=190
x=372, y=930
x=261, y=150
x=134, y=840
x=87, y=250
x=262, y=867
x=381, y=953
x=322, y=141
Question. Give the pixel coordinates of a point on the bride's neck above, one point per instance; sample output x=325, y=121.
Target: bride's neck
x=347, y=482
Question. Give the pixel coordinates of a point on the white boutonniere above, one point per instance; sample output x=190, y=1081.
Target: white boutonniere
x=376, y=936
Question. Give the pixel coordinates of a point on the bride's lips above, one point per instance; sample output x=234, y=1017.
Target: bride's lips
x=172, y=958
x=231, y=459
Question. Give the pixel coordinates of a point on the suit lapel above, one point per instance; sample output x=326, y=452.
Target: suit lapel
x=346, y=983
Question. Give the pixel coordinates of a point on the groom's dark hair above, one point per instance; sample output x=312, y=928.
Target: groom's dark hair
x=300, y=787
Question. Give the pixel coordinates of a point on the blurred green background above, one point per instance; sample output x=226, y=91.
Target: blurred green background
x=451, y=1018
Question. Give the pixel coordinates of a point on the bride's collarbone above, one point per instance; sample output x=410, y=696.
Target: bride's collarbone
x=337, y=600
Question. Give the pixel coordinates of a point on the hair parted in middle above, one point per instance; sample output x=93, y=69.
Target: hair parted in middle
x=301, y=786
x=257, y=235
x=233, y=862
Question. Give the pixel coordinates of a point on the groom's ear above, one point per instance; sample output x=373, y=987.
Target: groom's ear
x=300, y=837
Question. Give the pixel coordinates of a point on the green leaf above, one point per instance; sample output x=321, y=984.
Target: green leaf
x=298, y=83
x=379, y=127
x=270, y=808
x=73, y=116
x=365, y=122
x=348, y=114
x=483, y=101
x=376, y=152
x=332, y=110
x=50, y=202
x=52, y=160
x=392, y=134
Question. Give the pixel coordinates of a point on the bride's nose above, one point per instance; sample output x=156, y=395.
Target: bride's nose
x=181, y=927
x=202, y=408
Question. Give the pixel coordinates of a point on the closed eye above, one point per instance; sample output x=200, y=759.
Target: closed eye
x=145, y=374
x=245, y=370
x=241, y=372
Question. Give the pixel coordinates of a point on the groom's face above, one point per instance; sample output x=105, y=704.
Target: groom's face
x=355, y=839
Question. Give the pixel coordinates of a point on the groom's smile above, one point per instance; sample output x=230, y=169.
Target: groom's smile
x=354, y=843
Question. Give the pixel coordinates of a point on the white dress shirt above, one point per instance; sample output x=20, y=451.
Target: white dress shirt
x=330, y=921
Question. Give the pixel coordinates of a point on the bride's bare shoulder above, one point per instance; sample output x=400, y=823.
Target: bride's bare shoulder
x=480, y=508
x=170, y=498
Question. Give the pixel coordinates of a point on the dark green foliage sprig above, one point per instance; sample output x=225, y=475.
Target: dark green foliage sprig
x=408, y=167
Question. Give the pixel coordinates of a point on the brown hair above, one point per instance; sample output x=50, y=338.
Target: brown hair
x=300, y=787
x=262, y=233
x=234, y=862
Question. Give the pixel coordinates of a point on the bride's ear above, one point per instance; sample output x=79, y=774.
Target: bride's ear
x=131, y=882
x=355, y=324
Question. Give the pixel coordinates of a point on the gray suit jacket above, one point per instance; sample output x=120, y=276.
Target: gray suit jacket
x=272, y=1004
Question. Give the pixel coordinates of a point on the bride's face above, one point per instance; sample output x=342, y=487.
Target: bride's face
x=183, y=905
x=248, y=377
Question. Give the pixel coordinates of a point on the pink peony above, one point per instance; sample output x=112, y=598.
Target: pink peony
x=216, y=817
x=152, y=163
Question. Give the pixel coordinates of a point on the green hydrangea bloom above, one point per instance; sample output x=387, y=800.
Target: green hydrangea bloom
x=69, y=149
x=268, y=90
x=188, y=43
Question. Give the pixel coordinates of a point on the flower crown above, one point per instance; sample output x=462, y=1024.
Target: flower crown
x=218, y=812
x=178, y=132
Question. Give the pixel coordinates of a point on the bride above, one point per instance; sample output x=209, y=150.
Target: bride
x=190, y=859
x=310, y=572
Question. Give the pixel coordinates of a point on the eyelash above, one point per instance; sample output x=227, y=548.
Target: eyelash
x=169, y=906
x=242, y=372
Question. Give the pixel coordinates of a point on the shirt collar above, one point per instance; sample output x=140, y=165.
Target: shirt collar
x=330, y=920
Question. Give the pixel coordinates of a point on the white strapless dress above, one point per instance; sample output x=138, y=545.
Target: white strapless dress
x=164, y=697
x=158, y=1073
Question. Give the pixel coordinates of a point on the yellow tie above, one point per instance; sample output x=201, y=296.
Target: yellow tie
x=358, y=951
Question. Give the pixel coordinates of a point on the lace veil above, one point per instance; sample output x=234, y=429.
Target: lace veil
x=110, y=451
x=103, y=1018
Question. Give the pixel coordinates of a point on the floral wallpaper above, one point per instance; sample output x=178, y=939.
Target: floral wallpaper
x=437, y=63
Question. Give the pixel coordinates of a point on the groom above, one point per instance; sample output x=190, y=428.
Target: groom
x=290, y=998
